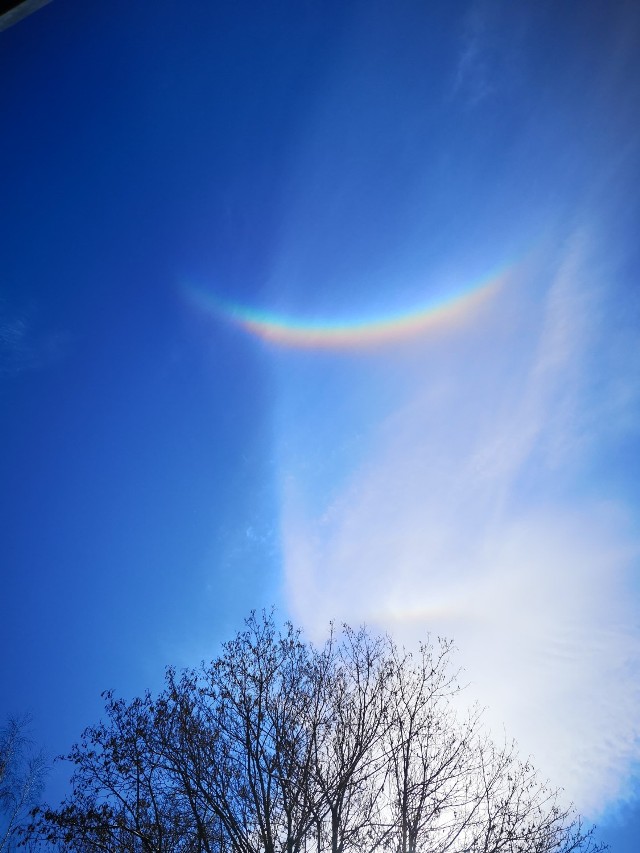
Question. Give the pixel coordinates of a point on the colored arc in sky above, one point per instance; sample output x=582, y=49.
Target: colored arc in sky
x=314, y=333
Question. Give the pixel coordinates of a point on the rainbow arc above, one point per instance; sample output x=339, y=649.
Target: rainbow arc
x=313, y=333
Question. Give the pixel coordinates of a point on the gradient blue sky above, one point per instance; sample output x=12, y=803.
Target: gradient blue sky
x=163, y=471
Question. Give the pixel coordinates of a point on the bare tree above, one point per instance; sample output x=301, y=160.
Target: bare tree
x=245, y=738
x=264, y=688
x=22, y=776
x=432, y=755
x=349, y=762
x=279, y=746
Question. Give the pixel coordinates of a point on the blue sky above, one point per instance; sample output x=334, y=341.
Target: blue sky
x=165, y=470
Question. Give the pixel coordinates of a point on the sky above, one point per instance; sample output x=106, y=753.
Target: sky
x=332, y=306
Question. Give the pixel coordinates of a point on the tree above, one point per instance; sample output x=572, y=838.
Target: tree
x=279, y=746
x=22, y=776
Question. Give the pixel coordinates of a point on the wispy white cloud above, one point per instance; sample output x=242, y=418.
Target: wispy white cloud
x=472, y=74
x=23, y=347
x=473, y=515
x=14, y=351
x=487, y=61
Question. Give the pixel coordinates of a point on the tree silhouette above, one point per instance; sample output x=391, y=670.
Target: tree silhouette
x=22, y=775
x=279, y=746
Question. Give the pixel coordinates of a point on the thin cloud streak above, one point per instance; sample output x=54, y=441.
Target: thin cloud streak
x=463, y=520
x=23, y=347
x=490, y=52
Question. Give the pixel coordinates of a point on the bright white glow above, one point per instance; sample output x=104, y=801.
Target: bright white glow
x=474, y=514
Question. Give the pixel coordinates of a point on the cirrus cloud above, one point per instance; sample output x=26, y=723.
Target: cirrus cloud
x=475, y=513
